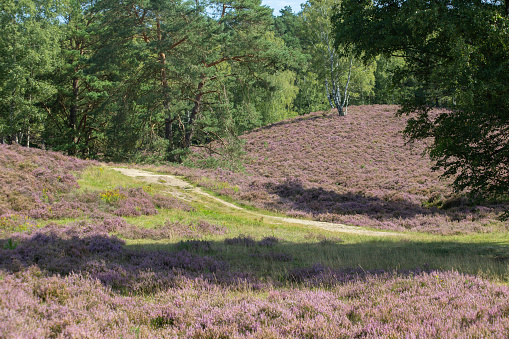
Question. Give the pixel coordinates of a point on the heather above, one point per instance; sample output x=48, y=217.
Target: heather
x=32, y=177
x=79, y=281
x=424, y=305
x=355, y=170
x=125, y=259
x=37, y=186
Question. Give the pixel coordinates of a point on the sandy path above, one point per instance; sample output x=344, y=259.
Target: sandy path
x=184, y=190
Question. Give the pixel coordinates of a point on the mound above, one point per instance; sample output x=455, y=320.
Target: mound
x=355, y=170
x=40, y=185
x=31, y=176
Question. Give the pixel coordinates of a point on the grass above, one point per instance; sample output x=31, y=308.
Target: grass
x=103, y=178
x=486, y=255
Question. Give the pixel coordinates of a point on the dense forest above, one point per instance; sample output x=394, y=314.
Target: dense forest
x=124, y=79
x=144, y=80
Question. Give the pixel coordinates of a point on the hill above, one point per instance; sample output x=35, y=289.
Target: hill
x=37, y=186
x=88, y=252
x=355, y=170
x=31, y=178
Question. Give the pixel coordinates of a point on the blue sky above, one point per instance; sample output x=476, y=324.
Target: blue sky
x=276, y=5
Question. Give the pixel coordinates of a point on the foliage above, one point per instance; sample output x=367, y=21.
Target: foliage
x=339, y=70
x=227, y=154
x=147, y=81
x=457, y=52
x=103, y=79
x=424, y=304
x=29, y=48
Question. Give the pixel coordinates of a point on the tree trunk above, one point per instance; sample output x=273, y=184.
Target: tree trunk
x=168, y=135
x=346, y=96
x=28, y=124
x=192, y=118
x=28, y=135
x=10, y=137
x=166, y=100
x=194, y=114
x=73, y=114
x=334, y=94
x=329, y=94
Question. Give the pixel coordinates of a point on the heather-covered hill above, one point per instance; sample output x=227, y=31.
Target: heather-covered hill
x=30, y=177
x=356, y=170
x=119, y=258
x=38, y=185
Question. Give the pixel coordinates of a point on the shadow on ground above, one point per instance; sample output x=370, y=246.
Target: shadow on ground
x=318, y=202
x=241, y=260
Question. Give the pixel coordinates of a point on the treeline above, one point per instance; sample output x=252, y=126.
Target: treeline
x=131, y=79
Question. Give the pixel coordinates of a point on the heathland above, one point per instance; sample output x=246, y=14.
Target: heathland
x=87, y=252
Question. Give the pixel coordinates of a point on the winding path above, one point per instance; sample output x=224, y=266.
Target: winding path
x=185, y=191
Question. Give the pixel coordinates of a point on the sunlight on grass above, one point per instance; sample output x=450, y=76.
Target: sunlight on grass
x=486, y=255
x=100, y=178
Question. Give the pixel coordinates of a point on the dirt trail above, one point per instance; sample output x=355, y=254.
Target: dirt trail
x=184, y=190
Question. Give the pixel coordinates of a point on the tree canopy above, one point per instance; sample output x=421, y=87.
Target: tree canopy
x=112, y=77
x=458, y=53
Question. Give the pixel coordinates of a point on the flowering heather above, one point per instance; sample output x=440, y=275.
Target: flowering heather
x=193, y=230
x=168, y=202
x=428, y=305
x=81, y=280
x=354, y=170
x=120, y=227
x=36, y=184
x=131, y=202
x=268, y=241
x=319, y=275
x=241, y=240
x=31, y=177
x=11, y=223
x=57, y=249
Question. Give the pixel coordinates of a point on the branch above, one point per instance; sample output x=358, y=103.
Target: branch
x=52, y=117
x=178, y=43
x=209, y=148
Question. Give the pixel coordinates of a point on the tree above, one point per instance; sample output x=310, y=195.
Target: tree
x=145, y=48
x=29, y=48
x=457, y=51
x=72, y=124
x=292, y=29
x=389, y=88
x=180, y=60
x=335, y=66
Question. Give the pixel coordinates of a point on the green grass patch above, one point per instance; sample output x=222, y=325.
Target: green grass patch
x=302, y=246
x=104, y=178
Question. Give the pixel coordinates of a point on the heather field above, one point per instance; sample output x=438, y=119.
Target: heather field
x=355, y=170
x=86, y=252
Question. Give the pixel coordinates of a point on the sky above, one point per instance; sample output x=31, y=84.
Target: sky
x=276, y=5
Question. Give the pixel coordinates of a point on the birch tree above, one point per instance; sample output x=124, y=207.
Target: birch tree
x=335, y=68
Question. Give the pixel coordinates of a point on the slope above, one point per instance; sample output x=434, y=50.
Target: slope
x=355, y=170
